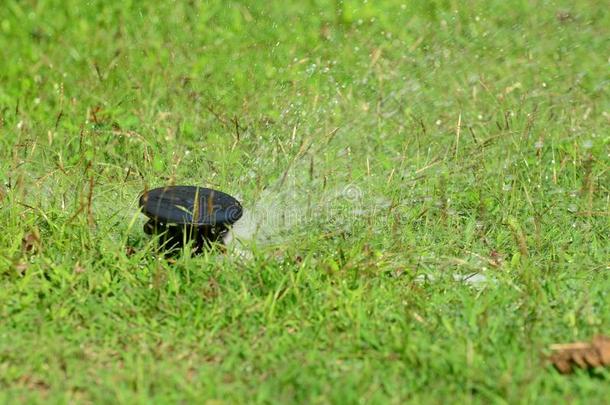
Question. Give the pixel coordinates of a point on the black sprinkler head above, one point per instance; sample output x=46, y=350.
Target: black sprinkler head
x=181, y=214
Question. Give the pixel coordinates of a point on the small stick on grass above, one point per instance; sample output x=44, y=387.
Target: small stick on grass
x=457, y=135
x=61, y=114
x=90, y=217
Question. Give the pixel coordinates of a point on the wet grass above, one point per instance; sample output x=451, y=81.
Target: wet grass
x=430, y=180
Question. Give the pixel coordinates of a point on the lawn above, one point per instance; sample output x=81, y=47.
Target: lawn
x=425, y=185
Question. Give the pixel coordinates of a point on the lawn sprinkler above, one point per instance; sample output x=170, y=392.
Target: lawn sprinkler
x=183, y=214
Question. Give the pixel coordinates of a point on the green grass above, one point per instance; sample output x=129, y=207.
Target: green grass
x=389, y=149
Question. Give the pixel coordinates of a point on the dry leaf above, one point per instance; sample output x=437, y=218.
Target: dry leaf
x=34, y=383
x=375, y=55
x=130, y=251
x=496, y=258
x=31, y=242
x=564, y=17
x=78, y=269
x=21, y=267
x=325, y=32
x=581, y=354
